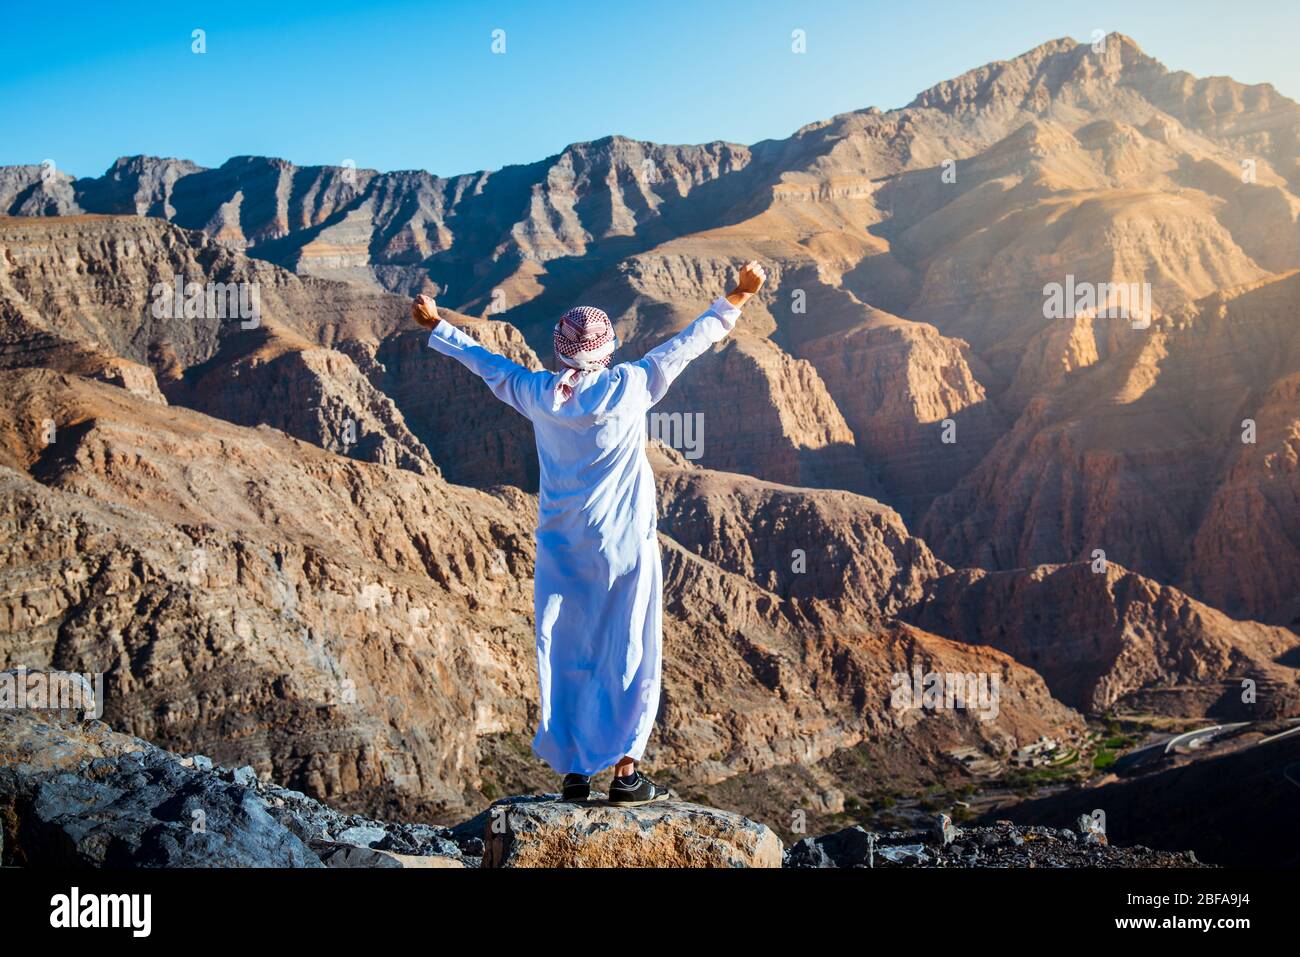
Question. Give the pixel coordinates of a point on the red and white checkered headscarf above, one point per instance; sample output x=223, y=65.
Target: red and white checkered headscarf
x=584, y=341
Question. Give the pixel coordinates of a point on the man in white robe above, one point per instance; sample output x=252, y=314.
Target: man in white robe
x=598, y=586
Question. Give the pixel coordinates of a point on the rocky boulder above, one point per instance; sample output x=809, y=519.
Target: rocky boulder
x=77, y=794
x=551, y=833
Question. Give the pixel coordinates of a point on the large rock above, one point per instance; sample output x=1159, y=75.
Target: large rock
x=77, y=794
x=81, y=796
x=666, y=834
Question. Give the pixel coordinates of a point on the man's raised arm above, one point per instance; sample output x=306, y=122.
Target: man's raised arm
x=508, y=381
x=665, y=362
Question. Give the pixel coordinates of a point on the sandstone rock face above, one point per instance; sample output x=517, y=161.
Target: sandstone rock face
x=314, y=394
x=269, y=569
x=902, y=386
x=355, y=630
x=833, y=673
x=381, y=228
x=1140, y=455
x=273, y=373
x=1102, y=639
x=796, y=543
x=95, y=281
x=952, y=214
x=663, y=834
x=475, y=438
x=778, y=422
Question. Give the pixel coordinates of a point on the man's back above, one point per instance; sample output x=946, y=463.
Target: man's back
x=596, y=486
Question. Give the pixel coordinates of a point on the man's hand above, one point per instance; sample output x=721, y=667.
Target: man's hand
x=751, y=281
x=424, y=311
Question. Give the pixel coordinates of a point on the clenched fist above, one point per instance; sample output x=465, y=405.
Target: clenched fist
x=751, y=278
x=424, y=311
x=751, y=281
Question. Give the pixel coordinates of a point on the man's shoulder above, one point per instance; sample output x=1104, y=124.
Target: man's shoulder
x=632, y=369
x=630, y=377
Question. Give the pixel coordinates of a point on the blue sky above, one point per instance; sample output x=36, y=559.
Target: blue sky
x=401, y=85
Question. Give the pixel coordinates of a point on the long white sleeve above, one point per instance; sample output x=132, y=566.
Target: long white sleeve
x=509, y=381
x=665, y=362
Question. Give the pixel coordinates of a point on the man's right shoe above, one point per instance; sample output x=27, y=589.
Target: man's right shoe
x=577, y=787
x=635, y=790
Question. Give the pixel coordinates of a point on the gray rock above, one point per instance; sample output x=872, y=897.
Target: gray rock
x=903, y=853
x=809, y=852
x=850, y=847
x=349, y=855
x=362, y=835
x=943, y=830
x=163, y=816
x=74, y=797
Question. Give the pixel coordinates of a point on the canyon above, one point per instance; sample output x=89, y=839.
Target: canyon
x=304, y=543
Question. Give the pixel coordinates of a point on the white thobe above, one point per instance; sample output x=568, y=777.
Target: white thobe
x=598, y=588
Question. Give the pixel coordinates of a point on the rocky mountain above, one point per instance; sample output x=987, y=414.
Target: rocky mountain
x=356, y=628
x=1112, y=638
x=237, y=484
x=1139, y=454
x=902, y=349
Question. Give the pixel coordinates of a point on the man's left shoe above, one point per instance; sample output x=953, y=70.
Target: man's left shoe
x=635, y=790
x=577, y=787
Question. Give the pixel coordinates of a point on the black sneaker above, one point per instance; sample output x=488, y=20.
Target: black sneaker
x=577, y=787
x=635, y=790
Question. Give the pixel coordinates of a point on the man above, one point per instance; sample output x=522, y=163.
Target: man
x=598, y=586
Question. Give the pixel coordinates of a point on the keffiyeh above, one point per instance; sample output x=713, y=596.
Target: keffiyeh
x=584, y=341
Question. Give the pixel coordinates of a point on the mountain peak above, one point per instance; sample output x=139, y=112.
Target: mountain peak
x=142, y=162
x=1040, y=74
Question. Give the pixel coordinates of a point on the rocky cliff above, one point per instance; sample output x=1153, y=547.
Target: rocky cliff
x=1108, y=638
